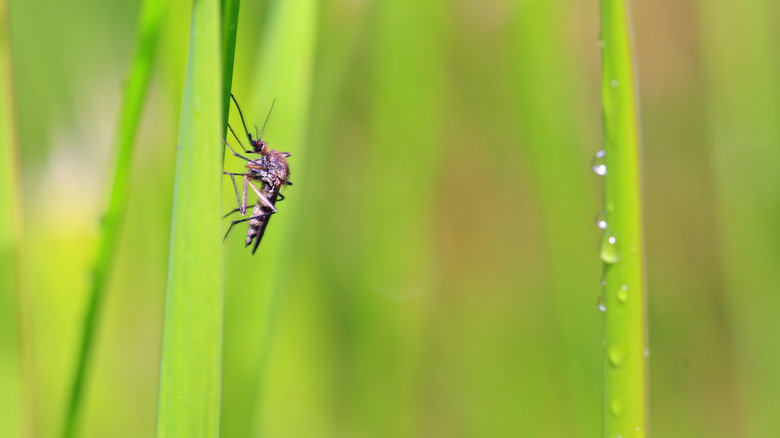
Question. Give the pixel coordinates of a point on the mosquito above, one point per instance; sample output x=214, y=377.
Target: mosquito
x=270, y=170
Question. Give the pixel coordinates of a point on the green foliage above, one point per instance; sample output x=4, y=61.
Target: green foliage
x=434, y=270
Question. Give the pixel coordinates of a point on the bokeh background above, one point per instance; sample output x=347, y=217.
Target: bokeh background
x=437, y=272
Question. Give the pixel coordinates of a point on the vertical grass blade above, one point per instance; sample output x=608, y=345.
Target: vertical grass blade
x=229, y=27
x=740, y=47
x=625, y=364
x=191, y=366
x=10, y=230
x=151, y=18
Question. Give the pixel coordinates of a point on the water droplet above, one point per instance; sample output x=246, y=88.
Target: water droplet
x=603, y=282
x=616, y=407
x=601, y=222
x=614, y=82
x=647, y=352
x=609, y=252
x=616, y=356
x=597, y=164
x=600, y=304
x=622, y=293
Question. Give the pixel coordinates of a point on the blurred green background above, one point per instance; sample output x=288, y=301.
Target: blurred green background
x=437, y=269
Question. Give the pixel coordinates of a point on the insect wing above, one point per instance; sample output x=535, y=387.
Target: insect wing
x=264, y=220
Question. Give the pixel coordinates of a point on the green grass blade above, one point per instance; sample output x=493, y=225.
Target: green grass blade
x=135, y=92
x=191, y=366
x=229, y=27
x=625, y=363
x=10, y=230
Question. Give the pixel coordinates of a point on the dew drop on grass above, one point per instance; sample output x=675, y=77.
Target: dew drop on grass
x=614, y=83
x=598, y=165
x=609, y=252
x=622, y=293
x=601, y=222
x=600, y=304
x=616, y=407
x=616, y=356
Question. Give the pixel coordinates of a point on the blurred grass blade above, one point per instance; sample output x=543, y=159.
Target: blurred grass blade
x=397, y=251
x=287, y=46
x=151, y=19
x=545, y=104
x=191, y=366
x=10, y=238
x=622, y=251
x=740, y=47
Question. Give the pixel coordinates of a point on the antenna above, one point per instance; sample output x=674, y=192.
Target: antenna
x=266, y=119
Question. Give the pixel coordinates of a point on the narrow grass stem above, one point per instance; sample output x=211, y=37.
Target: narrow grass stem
x=11, y=397
x=135, y=92
x=624, y=299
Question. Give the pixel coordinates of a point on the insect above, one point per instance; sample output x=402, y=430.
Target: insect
x=270, y=170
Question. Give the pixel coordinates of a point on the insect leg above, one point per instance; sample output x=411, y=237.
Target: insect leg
x=242, y=208
x=234, y=152
x=231, y=212
x=233, y=223
x=246, y=180
x=239, y=140
x=241, y=114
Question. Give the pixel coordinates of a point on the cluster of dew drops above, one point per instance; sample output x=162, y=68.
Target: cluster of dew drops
x=609, y=255
x=608, y=250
